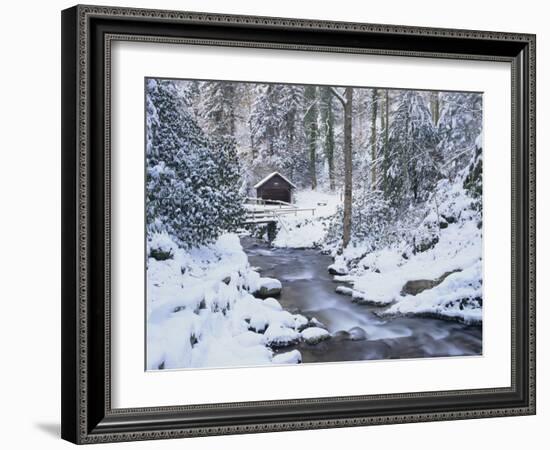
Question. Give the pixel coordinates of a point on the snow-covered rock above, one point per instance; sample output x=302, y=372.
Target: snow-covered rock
x=457, y=297
x=300, y=322
x=414, y=287
x=314, y=335
x=314, y=322
x=277, y=335
x=160, y=246
x=292, y=357
x=338, y=269
x=249, y=338
x=357, y=334
x=268, y=287
x=344, y=290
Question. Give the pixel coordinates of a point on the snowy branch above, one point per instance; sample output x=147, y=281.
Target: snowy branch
x=310, y=107
x=338, y=95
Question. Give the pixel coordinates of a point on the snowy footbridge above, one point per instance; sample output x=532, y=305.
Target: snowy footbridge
x=260, y=211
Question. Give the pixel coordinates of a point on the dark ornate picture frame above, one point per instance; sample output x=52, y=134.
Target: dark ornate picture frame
x=87, y=35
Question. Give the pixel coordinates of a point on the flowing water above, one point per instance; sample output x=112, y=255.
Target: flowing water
x=308, y=289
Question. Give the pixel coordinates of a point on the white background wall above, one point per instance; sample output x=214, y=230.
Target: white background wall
x=30, y=223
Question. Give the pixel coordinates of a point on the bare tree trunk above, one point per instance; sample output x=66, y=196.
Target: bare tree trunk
x=310, y=122
x=435, y=107
x=327, y=121
x=347, y=165
x=385, y=162
x=373, y=140
x=312, y=166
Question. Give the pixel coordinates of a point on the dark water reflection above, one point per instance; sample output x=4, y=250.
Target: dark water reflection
x=309, y=289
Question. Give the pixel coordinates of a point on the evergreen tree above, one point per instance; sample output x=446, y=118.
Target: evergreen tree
x=473, y=181
x=373, y=137
x=218, y=108
x=265, y=120
x=192, y=181
x=291, y=132
x=414, y=167
x=311, y=129
x=327, y=124
x=459, y=126
x=385, y=164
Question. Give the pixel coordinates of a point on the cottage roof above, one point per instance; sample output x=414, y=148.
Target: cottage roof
x=271, y=175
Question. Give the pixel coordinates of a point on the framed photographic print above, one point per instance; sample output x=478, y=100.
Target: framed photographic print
x=281, y=224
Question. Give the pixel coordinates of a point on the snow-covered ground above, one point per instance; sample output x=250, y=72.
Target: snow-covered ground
x=444, y=281
x=325, y=203
x=201, y=311
x=307, y=228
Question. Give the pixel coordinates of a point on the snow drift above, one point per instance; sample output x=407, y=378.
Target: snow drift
x=201, y=313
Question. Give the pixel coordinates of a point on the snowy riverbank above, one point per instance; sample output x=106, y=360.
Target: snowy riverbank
x=201, y=311
x=443, y=282
x=443, y=279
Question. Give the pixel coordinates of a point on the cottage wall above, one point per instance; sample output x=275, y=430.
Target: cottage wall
x=276, y=188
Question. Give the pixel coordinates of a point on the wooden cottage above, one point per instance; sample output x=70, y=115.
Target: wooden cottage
x=275, y=187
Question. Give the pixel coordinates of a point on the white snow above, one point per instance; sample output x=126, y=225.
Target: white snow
x=382, y=260
x=300, y=232
x=325, y=203
x=313, y=335
x=272, y=303
x=299, y=321
x=338, y=268
x=292, y=357
x=279, y=336
x=377, y=288
x=269, y=284
x=307, y=228
x=344, y=290
x=379, y=276
x=459, y=248
x=454, y=298
x=200, y=312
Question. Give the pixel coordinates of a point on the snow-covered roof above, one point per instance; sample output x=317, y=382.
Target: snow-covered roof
x=271, y=175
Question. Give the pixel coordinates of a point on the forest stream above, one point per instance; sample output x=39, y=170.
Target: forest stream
x=309, y=289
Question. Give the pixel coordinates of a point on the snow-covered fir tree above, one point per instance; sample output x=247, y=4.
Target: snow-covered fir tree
x=218, y=108
x=415, y=159
x=458, y=128
x=192, y=181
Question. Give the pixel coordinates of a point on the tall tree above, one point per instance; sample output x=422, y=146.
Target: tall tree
x=386, y=149
x=459, y=126
x=311, y=129
x=413, y=140
x=192, y=181
x=348, y=176
x=218, y=108
x=327, y=123
x=435, y=107
x=291, y=129
x=265, y=119
x=373, y=136
x=346, y=100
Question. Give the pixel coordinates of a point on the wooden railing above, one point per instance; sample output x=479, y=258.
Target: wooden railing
x=270, y=210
